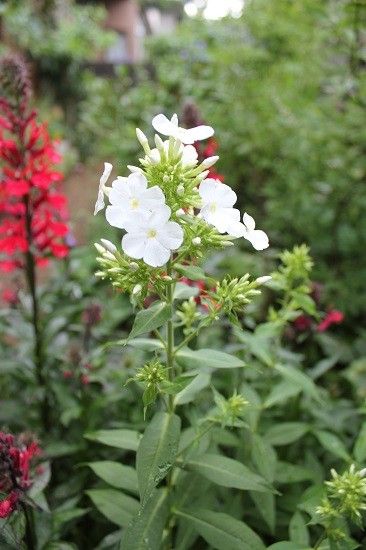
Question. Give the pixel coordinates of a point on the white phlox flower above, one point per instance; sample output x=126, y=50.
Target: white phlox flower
x=131, y=196
x=189, y=154
x=168, y=127
x=217, y=209
x=99, y=205
x=152, y=237
x=256, y=237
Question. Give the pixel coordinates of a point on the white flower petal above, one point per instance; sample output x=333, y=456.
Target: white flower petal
x=159, y=217
x=189, y=156
x=155, y=254
x=170, y=235
x=163, y=125
x=107, y=172
x=119, y=184
x=207, y=189
x=118, y=196
x=134, y=245
x=248, y=222
x=136, y=183
x=99, y=205
x=198, y=133
x=258, y=238
x=115, y=216
x=153, y=197
x=225, y=196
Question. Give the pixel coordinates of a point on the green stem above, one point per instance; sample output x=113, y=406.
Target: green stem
x=170, y=339
x=30, y=272
x=190, y=337
x=30, y=538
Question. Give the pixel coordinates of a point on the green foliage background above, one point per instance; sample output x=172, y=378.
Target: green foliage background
x=284, y=87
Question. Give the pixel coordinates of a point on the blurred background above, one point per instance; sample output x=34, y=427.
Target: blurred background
x=281, y=81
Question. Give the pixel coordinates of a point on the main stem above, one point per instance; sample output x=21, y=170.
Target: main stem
x=38, y=343
x=170, y=339
x=30, y=538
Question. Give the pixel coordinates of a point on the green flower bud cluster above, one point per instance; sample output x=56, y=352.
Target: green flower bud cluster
x=231, y=410
x=188, y=315
x=347, y=493
x=132, y=276
x=345, y=499
x=200, y=237
x=232, y=295
x=151, y=375
x=164, y=167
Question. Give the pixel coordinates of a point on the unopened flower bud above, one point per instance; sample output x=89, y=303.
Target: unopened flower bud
x=134, y=169
x=109, y=246
x=196, y=240
x=262, y=280
x=166, y=178
x=210, y=161
x=180, y=212
x=134, y=266
x=180, y=190
x=159, y=142
x=167, y=278
x=109, y=255
x=202, y=176
x=143, y=140
x=99, y=248
x=136, y=289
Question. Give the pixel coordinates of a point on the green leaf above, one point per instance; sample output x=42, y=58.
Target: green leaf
x=157, y=451
x=146, y=529
x=332, y=443
x=298, y=531
x=286, y=432
x=180, y=382
x=210, y=358
x=150, y=319
x=149, y=396
x=192, y=272
x=359, y=449
x=184, y=292
x=114, y=505
x=201, y=381
x=121, y=439
x=115, y=474
x=265, y=504
x=227, y=472
x=281, y=392
x=291, y=473
x=222, y=531
x=299, y=378
x=144, y=344
x=264, y=457
x=287, y=545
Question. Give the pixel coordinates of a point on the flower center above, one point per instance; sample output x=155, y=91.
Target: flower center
x=213, y=207
x=134, y=203
x=151, y=233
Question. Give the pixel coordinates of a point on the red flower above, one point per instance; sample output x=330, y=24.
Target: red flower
x=333, y=317
x=302, y=323
x=15, y=459
x=28, y=188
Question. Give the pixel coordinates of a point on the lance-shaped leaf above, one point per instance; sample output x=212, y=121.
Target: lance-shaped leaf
x=227, y=472
x=115, y=474
x=146, y=529
x=114, y=505
x=157, y=452
x=221, y=531
x=121, y=439
x=150, y=319
x=209, y=358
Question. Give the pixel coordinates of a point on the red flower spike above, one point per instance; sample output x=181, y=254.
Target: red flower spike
x=333, y=317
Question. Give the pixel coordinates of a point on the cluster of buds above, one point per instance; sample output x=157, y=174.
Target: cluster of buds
x=152, y=375
x=230, y=411
x=16, y=454
x=188, y=314
x=33, y=212
x=231, y=295
x=134, y=277
x=346, y=498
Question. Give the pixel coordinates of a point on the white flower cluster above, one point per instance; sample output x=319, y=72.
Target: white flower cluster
x=143, y=213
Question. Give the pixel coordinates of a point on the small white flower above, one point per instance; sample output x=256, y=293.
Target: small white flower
x=170, y=128
x=189, y=154
x=262, y=280
x=257, y=237
x=130, y=196
x=99, y=205
x=152, y=237
x=217, y=209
